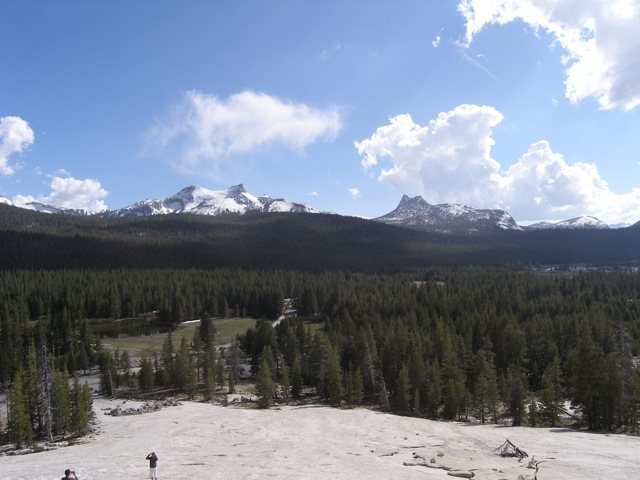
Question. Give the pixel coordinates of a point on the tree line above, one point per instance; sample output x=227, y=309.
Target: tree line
x=440, y=344
x=470, y=343
x=46, y=402
x=309, y=242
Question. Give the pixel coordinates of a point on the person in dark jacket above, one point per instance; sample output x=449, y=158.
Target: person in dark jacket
x=153, y=465
x=69, y=475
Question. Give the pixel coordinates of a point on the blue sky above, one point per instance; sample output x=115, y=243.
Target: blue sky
x=527, y=105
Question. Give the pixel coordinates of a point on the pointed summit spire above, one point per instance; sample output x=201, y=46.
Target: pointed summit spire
x=407, y=200
x=235, y=189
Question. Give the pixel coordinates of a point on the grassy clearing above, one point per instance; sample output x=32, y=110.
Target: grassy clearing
x=227, y=329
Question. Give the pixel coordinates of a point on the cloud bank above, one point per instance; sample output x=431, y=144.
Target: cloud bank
x=600, y=39
x=15, y=136
x=69, y=192
x=449, y=160
x=204, y=130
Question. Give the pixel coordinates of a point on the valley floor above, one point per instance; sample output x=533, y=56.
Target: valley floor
x=201, y=441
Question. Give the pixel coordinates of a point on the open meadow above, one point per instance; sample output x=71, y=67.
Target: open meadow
x=227, y=329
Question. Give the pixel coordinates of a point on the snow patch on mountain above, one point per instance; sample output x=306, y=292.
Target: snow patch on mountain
x=202, y=201
x=44, y=208
x=583, y=222
x=447, y=218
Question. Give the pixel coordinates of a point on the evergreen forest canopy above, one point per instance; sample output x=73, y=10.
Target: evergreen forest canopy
x=424, y=324
x=442, y=344
x=304, y=242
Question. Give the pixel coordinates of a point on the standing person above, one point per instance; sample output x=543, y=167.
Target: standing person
x=69, y=475
x=153, y=465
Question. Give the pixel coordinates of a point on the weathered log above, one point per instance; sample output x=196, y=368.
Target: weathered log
x=461, y=473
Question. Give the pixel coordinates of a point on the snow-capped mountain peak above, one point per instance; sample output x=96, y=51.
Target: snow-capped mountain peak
x=202, y=201
x=447, y=218
x=583, y=222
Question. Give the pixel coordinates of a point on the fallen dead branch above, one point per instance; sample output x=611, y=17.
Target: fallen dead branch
x=509, y=449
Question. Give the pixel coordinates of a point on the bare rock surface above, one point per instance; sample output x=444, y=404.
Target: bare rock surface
x=199, y=440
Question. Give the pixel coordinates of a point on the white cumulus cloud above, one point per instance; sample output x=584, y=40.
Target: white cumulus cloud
x=433, y=158
x=600, y=39
x=70, y=192
x=15, y=136
x=354, y=192
x=205, y=130
x=449, y=160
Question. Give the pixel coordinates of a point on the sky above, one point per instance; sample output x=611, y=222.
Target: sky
x=531, y=106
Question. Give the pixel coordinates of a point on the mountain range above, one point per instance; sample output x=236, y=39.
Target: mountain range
x=577, y=222
x=305, y=242
x=416, y=212
x=413, y=212
x=202, y=201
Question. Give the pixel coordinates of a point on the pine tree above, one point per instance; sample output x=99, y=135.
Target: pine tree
x=19, y=425
x=485, y=394
x=209, y=375
x=196, y=345
x=81, y=407
x=551, y=393
x=432, y=389
x=453, y=391
x=107, y=375
x=493, y=394
x=348, y=386
x=635, y=405
x=285, y=385
x=358, y=386
x=168, y=360
x=480, y=397
x=46, y=392
x=232, y=380
x=333, y=378
x=532, y=415
x=219, y=368
x=610, y=392
x=402, y=393
x=61, y=402
x=353, y=386
x=417, y=372
x=207, y=332
x=296, y=378
x=146, y=375
x=586, y=362
x=33, y=387
x=190, y=383
x=264, y=384
x=417, y=407
x=125, y=366
x=267, y=354
x=515, y=394
x=182, y=366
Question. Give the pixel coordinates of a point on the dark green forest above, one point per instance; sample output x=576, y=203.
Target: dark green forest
x=453, y=344
x=303, y=242
x=438, y=326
